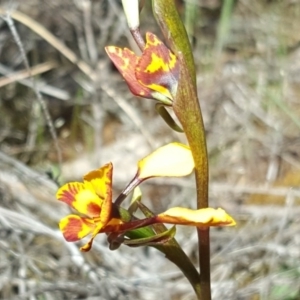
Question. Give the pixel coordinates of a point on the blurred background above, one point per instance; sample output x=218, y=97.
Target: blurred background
x=72, y=112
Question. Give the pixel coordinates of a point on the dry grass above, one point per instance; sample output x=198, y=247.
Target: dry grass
x=249, y=92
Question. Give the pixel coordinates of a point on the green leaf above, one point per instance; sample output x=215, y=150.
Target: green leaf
x=154, y=240
x=160, y=108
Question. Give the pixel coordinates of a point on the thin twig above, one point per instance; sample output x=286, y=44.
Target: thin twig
x=42, y=86
x=52, y=40
x=17, y=76
x=88, y=30
x=40, y=99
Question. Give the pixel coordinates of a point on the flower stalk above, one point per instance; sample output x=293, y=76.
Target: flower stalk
x=187, y=109
x=131, y=9
x=168, y=76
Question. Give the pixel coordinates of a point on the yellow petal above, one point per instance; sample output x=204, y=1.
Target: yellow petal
x=81, y=197
x=75, y=228
x=100, y=180
x=87, y=247
x=158, y=67
x=200, y=218
x=67, y=192
x=172, y=160
x=112, y=226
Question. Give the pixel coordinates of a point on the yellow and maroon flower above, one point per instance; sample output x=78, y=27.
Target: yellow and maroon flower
x=153, y=75
x=92, y=199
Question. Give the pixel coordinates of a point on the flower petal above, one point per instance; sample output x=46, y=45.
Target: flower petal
x=200, y=218
x=75, y=228
x=100, y=180
x=158, y=68
x=106, y=189
x=174, y=159
x=81, y=197
x=67, y=192
x=131, y=10
x=87, y=247
x=125, y=61
x=112, y=226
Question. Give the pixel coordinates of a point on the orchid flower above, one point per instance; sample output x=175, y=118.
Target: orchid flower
x=152, y=75
x=92, y=199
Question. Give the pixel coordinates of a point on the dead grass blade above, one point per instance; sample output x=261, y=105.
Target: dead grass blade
x=51, y=39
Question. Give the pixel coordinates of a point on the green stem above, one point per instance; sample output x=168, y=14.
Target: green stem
x=175, y=254
x=187, y=109
x=135, y=229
